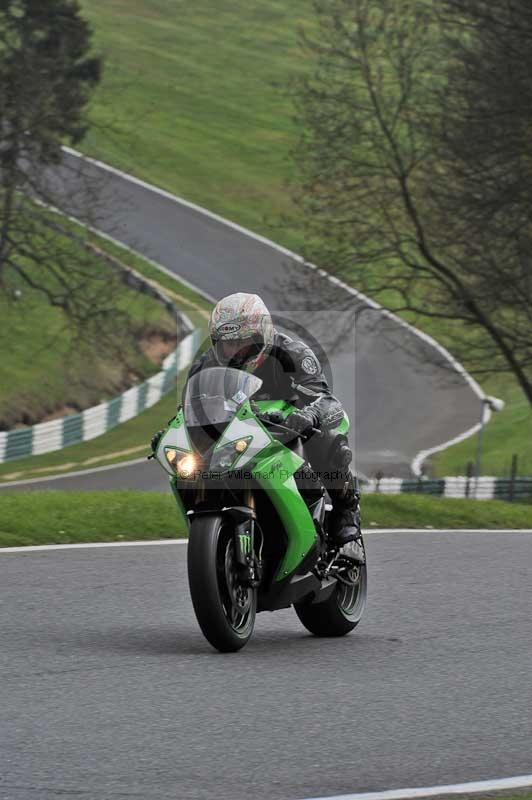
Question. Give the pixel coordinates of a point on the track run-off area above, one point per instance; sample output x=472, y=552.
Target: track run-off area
x=108, y=689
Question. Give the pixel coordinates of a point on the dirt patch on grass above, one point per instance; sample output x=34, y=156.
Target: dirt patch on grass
x=156, y=345
x=63, y=411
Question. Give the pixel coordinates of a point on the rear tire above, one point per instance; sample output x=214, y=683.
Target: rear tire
x=340, y=613
x=224, y=607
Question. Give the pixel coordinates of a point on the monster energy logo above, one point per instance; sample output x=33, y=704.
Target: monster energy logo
x=245, y=542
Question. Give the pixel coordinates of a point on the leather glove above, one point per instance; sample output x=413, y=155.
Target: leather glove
x=301, y=421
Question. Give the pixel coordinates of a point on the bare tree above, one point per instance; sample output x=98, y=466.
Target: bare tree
x=401, y=194
x=47, y=73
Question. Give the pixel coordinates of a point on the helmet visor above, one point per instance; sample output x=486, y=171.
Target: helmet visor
x=237, y=352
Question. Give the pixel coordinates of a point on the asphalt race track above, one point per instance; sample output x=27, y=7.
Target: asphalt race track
x=108, y=690
x=399, y=403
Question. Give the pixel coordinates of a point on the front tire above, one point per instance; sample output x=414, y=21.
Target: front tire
x=224, y=607
x=340, y=613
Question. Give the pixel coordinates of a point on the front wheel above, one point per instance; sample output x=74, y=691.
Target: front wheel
x=341, y=612
x=225, y=607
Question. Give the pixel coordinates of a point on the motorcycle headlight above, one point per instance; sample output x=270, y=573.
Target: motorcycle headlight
x=185, y=464
x=226, y=456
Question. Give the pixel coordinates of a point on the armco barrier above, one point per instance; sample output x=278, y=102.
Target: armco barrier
x=488, y=488
x=48, y=436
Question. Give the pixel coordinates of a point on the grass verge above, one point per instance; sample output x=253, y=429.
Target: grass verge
x=33, y=518
x=509, y=431
x=524, y=794
x=60, y=517
x=415, y=511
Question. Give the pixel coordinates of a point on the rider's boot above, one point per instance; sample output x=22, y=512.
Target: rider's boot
x=344, y=524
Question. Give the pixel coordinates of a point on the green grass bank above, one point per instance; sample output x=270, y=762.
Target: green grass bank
x=509, y=431
x=59, y=517
x=130, y=439
x=44, y=368
x=193, y=99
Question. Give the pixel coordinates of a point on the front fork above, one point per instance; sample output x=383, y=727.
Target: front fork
x=249, y=562
x=245, y=550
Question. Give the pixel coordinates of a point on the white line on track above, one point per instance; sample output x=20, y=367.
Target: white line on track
x=476, y=787
x=158, y=542
x=44, y=478
x=446, y=530
x=456, y=365
x=90, y=546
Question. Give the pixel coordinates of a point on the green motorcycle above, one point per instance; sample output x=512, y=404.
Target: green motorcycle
x=258, y=515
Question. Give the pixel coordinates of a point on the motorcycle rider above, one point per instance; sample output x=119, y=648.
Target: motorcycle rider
x=243, y=337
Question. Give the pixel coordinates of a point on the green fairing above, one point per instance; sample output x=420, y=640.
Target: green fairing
x=275, y=476
x=343, y=427
x=244, y=411
x=274, y=471
x=176, y=422
x=173, y=484
x=282, y=490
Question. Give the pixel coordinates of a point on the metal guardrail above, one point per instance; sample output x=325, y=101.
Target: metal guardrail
x=487, y=488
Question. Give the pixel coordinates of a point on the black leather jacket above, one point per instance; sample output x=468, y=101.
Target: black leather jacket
x=291, y=372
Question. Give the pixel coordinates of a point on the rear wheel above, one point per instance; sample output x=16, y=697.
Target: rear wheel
x=342, y=611
x=225, y=607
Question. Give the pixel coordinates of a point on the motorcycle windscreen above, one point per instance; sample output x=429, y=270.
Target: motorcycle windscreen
x=213, y=396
